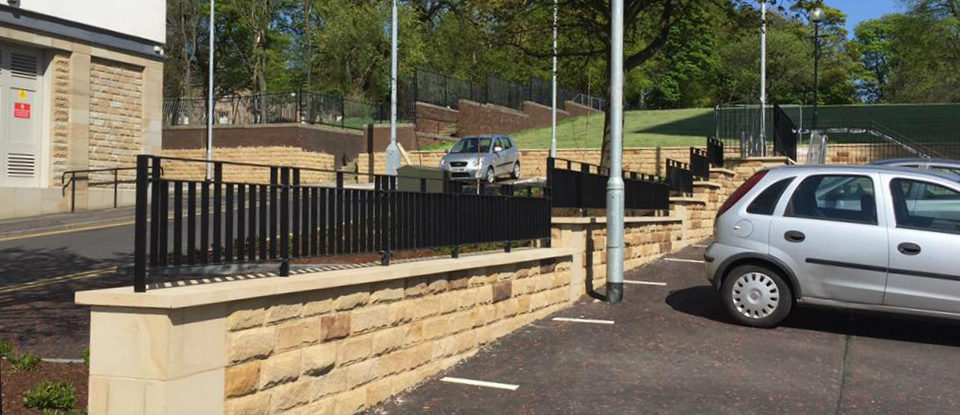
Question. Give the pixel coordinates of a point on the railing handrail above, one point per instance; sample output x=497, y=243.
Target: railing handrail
x=627, y=174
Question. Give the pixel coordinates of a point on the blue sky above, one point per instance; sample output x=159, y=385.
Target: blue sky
x=860, y=10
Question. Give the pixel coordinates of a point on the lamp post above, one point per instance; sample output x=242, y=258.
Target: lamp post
x=816, y=17
x=210, y=103
x=763, y=78
x=393, y=151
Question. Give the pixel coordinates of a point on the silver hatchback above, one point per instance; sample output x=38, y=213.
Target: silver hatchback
x=857, y=237
x=482, y=158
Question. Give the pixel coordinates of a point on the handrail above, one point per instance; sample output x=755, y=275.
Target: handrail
x=73, y=185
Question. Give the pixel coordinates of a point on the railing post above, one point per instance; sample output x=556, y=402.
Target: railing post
x=217, y=209
x=73, y=192
x=582, y=188
x=284, y=221
x=116, y=186
x=140, y=226
x=155, y=212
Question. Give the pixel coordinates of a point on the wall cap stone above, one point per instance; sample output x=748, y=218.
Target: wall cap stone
x=723, y=171
x=222, y=292
x=714, y=185
x=687, y=201
x=574, y=220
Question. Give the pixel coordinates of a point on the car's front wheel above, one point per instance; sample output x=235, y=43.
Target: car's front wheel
x=490, y=178
x=756, y=296
x=516, y=171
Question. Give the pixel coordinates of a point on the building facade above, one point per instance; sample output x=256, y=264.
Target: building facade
x=81, y=87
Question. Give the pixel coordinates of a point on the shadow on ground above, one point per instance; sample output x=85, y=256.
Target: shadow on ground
x=703, y=301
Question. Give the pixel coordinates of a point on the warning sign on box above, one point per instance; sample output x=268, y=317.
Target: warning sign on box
x=21, y=110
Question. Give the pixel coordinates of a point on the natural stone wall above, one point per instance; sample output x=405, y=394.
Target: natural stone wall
x=274, y=156
x=116, y=116
x=60, y=117
x=339, y=351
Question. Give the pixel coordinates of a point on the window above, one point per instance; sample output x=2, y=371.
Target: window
x=944, y=169
x=925, y=206
x=507, y=144
x=766, y=202
x=469, y=145
x=844, y=198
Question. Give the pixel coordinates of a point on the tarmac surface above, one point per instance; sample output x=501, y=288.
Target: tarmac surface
x=673, y=350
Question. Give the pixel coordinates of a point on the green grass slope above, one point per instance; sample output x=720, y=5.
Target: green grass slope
x=683, y=127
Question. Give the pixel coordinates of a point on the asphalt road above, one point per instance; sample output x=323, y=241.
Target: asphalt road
x=672, y=350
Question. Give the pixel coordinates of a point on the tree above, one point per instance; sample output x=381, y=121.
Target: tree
x=185, y=20
x=873, y=46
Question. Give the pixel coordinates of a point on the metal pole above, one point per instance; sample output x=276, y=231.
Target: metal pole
x=615, y=183
x=816, y=70
x=393, y=152
x=553, y=108
x=763, y=78
x=210, y=98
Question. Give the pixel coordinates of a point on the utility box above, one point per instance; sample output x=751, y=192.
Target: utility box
x=421, y=179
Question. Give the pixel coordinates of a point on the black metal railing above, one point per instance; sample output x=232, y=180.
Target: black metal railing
x=679, y=177
x=715, y=151
x=303, y=212
x=109, y=177
x=699, y=164
x=573, y=184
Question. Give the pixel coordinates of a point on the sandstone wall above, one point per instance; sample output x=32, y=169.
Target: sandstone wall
x=274, y=156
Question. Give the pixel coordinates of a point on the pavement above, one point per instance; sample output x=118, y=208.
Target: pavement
x=673, y=350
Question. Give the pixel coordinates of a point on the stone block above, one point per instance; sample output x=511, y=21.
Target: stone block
x=288, y=396
x=242, y=379
x=354, y=349
x=350, y=402
x=388, y=340
x=386, y=291
x=502, y=291
x=334, y=326
x=369, y=318
x=282, y=312
x=279, y=369
x=256, y=404
x=298, y=333
x=245, y=319
x=250, y=344
x=351, y=298
x=319, y=360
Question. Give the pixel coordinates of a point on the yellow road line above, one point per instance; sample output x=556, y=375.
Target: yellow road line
x=62, y=231
x=58, y=279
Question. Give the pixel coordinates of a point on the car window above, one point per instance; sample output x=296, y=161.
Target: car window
x=944, y=169
x=925, y=206
x=766, y=201
x=470, y=144
x=845, y=198
x=497, y=143
x=507, y=144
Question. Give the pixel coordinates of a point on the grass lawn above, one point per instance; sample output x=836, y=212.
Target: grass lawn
x=665, y=128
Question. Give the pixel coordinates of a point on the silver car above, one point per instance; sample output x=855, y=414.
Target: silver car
x=940, y=165
x=482, y=158
x=857, y=237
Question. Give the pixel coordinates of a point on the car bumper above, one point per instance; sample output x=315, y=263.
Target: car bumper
x=462, y=173
x=714, y=257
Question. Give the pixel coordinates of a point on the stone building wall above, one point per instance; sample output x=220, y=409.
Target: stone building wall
x=272, y=156
x=116, y=116
x=60, y=116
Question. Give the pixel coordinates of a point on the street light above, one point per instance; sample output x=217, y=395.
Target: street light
x=816, y=17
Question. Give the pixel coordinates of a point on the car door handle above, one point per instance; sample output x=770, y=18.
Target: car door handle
x=794, y=236
x=909, y=248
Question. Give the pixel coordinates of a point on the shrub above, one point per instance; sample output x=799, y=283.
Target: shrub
x=86, y=357
x=51, y=397
x=6, y=349
x=23, y=362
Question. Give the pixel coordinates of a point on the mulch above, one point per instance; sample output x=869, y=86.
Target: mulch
x=14, y=384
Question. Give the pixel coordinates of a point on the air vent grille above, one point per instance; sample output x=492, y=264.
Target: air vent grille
x=23, y=66
x=21, y=165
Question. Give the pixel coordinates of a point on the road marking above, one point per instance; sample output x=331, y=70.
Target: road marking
x=689, y=261
x=582, y=320
x=53, y=280
x=63, y=231
x=480, y=383
x=659, y=284
x=698, y=246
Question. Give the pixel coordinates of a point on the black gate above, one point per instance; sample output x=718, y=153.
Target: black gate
x=784, y=134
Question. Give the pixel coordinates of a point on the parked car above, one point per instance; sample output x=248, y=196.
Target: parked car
x=858, y=237
x=941, y=165
x=482, y=157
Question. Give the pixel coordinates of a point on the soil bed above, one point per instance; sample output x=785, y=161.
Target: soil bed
x=15, y=384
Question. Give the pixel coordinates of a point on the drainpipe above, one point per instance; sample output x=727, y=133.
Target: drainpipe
x=615, y=183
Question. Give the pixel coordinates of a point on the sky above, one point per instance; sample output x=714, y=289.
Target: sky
x=860, y=10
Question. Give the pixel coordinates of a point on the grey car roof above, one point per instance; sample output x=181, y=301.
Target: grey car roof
x=866, y=169
x=916, y=160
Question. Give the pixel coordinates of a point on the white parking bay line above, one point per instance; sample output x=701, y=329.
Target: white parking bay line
x=698, y=246
x=690, y=261
x=480, y=383
x=658, y=284
x=582, y=320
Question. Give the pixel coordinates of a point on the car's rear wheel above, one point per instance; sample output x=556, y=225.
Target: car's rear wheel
x=516, y=171
x=490, y=178
x=756, y=296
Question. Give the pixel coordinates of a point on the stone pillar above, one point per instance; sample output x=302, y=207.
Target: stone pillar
x=79, y=118
x=152, y=107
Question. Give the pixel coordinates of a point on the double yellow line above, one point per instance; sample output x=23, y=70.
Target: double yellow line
x=56, y=280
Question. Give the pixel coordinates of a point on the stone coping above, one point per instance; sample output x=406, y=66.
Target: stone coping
x=714, y=185
x=589, y=220
x=686, y=200
x=222, y=292
x=722, y=170
x=762, y=159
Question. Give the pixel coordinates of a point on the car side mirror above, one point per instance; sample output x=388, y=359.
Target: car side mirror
x=497, y=149
x=447, y=151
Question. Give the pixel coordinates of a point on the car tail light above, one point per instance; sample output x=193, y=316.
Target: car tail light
x=741, y=191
